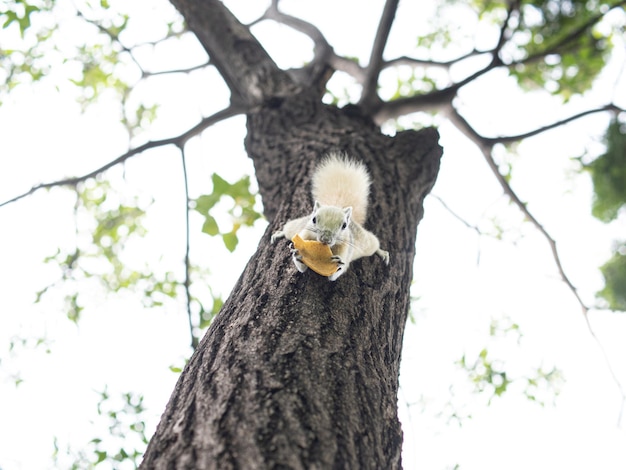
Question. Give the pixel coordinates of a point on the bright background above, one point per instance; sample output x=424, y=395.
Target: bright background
x=463, y=280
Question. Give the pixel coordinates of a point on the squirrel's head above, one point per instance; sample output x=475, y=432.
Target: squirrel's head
x=330, y=223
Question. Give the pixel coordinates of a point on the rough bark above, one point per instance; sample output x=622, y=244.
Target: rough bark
x=296, y=371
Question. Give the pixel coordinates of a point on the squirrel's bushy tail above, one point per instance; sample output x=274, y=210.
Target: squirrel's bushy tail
x=340, y=181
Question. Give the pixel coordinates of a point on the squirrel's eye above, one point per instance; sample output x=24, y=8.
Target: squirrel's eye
x=314, y=220
x=343, y=227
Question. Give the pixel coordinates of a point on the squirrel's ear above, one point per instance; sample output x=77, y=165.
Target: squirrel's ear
x=348, y=211
x=316, y=206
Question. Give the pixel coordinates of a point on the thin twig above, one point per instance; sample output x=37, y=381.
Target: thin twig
x=455, y=215
x=413, y=61
x=187, y=283
x=193, y=68
x=178, y=141
x=516, y=138
x=112, y=36
x=464, y=222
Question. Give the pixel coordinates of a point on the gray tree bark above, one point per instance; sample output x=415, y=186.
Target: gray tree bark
x=296, y=371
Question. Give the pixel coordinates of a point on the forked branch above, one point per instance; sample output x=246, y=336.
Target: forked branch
x=178, y=141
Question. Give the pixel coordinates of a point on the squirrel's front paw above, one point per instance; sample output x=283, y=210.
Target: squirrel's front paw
x=276, y=235
x=384, y=255
x=297, y=259
x=341, y=267
x=337, y=259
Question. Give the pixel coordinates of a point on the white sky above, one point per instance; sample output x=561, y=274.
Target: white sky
x=463, y=280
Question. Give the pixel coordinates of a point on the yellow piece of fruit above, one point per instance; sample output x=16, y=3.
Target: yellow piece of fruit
x=315, y=255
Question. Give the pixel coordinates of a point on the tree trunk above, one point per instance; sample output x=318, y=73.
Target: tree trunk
x=296, y=371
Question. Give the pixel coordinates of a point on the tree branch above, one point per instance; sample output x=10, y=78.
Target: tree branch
x=516, y=138
x=178, y=141
x=486, y=149
x=249, y=72
x=438, y=99
x=369, y=95
x=504, y=35
x=405, y=60
x=146, y=74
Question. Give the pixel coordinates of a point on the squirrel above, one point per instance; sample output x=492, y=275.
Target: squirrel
x=340, y=188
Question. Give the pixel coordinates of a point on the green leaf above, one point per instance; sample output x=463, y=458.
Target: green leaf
x=23, y=20
x=73, y=309
x=210, y=226
x=206, y=202
x=101, y=456
x=614, y=272
x=220, y=185
x=218, y=302
x=230, y=240
x=242, y=211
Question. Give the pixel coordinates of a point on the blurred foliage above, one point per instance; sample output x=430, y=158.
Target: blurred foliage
x=109, y=234
x=608, y=174
x=98, y=63
x=102, y=64
x=19, y=346
x=241, y=211
x=614, y=272
x=493, y=371
x=26, y=62
x=559, y=46
x=489, y=375
x=417, y=83
x=486, y=374
x=18, y=12
x=108, y=229
x=124, y=444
